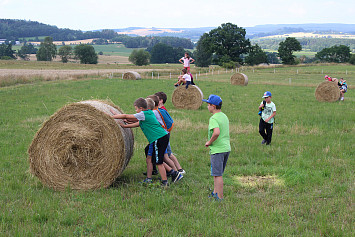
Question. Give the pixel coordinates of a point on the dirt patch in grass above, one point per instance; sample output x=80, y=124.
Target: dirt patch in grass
x=259, y=181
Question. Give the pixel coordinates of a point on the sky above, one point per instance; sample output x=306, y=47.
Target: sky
x=88, y=15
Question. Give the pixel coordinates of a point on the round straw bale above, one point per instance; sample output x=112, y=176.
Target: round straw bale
x=81, y=147
x=327, y=91
x=132, y=76
x=190, y=98
x=239, y=79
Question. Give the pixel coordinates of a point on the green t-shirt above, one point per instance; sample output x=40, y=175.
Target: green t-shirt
x=222, y=144
x=150, y=125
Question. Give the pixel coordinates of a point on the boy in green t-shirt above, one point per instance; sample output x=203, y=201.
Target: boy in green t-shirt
x=219, y=143
x=153, y=131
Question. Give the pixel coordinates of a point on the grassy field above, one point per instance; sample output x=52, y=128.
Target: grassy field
x=301, y=185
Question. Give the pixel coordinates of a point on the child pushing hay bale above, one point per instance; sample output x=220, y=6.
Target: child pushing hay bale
x=81, y=147
x=327, y=91
x=132, y=76
x=239, y=79
x=190, y=98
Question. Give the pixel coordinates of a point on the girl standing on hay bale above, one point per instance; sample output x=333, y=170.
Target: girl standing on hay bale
x=186, y=61
x=184, y=79
x=152, y=131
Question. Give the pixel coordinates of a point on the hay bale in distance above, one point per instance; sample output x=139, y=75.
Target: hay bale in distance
x=327, y=91
x=190, y=98
x=81, y=147
x=239, y=79
x=132, y=76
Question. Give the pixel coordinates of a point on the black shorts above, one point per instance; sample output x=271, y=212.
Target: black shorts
x=159, y=148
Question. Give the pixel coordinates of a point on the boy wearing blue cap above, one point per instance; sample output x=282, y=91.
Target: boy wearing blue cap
x=219, y=143
x=267, y=118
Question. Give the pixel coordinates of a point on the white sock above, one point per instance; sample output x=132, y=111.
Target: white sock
x=342, y=98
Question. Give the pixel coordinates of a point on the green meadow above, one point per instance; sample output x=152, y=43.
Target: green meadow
x=300, y=185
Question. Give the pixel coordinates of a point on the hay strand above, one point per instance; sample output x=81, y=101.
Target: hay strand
x=81, y=147
x=327, y=92
x=239, y=79
x=132, y=76
x=190, y=98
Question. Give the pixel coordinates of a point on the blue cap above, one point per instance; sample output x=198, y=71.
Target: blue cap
x=266, y=94
x=213, y=99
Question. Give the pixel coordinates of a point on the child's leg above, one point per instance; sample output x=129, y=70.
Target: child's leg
x=176, y=162
x=218, y=186
x=149, y=166
x=162, y=172
x=262, y=129
x=169, y=162
x=160, y=148
x=269, y=128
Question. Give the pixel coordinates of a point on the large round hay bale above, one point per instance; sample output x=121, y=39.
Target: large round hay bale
x=81, y=147
x=190, y=98
x=239, y=79
x=327, y=91
x=132, y=76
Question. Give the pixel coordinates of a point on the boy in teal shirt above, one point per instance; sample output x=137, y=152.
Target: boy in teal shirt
x=219, y=143
x=152, y=130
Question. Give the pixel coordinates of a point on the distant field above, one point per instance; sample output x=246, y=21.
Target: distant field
x=301, y=185
x=311, y=35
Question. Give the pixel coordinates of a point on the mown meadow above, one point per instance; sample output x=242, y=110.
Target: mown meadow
x=301, y=185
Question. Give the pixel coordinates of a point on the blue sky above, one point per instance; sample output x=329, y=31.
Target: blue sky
x=111, y=14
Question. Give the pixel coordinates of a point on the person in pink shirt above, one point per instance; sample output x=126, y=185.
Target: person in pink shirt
x=186, y=61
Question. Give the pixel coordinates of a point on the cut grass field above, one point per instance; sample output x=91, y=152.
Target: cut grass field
x=301, y=185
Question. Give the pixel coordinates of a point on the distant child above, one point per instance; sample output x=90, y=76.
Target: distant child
x=152, y=131
x=186, y=61
x=332, y=79
x=343, y=88
x=184, y=79
x=219, y=143
x=162, y=99
x=267, y=118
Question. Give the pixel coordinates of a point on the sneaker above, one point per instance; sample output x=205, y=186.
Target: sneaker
x=153, y=173
x=215, y=197
x=176, y=177
x=263, y=142
x=212, y=195
x=164, y=184
x=176, y=85
x=147, y=181
x=182, y=171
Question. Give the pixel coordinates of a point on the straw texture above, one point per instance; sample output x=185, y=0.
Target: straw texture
x=239, y=79
x=327, y=91
x=190, y=98
x=81, y=147
x=132, y=76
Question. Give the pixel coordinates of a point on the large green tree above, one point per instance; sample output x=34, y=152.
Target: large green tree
x=256, y=56
x=47, y=50
x=86, y=54
x=139, y=57
x=228, y=41
x=286, y=49
x=334, y=54
x=65, y=52
x=162, y=53
x=203, y=53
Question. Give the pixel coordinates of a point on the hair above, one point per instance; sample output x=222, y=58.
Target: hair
x=188, y=56
x=184, y=70
x=141, y=103
x=150, y=103
x=219, y=106
x=162, y=96
x=154, y=98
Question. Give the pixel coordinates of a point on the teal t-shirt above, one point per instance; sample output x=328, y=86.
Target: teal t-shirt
x=222, y=144
x=150, y=125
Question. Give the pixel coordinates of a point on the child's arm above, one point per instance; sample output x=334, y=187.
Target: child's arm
x=273, y=114
x=192, y=60
x=262, y=105
x=180, y=60
x=214, y=137
x=123, y=116
x=130, y=125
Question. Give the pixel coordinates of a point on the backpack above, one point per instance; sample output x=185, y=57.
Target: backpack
x=167, y=120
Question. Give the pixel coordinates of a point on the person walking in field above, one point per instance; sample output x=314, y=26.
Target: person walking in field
x=267, y=119
x=218, y=142
x=186, y=60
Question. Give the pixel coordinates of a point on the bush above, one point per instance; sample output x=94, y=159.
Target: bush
x=230, y=65
x=139, y=57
